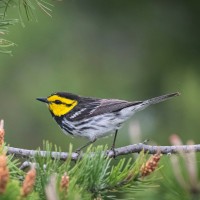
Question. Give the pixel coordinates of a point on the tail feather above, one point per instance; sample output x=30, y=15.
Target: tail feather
x=138, y=106
x=159, y=99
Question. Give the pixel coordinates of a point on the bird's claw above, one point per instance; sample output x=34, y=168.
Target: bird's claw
x=114, y=152
x=146, y=141
x=78, y=151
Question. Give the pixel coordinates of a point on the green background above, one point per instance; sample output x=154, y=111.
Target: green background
x=128, y=50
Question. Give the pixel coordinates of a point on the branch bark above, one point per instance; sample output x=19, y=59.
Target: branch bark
x=135, y=148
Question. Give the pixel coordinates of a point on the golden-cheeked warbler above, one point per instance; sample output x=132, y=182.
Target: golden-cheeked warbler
x=92, y=118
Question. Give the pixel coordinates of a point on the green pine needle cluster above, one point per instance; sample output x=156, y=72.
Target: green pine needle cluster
x=94, y=176
x=5, y=44
x=24, y=7
x=181, y=177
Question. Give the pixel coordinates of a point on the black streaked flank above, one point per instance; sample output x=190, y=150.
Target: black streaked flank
x=88, y=128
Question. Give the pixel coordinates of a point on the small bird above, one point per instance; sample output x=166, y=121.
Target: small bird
x=93, y=118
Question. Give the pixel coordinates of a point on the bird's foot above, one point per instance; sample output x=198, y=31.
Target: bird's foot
x=78, y=151
x=146, y=141
x=114, y=151
x=78, y=156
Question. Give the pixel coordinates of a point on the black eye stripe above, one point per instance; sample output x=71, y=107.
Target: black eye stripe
x=57, y=102
x=60, y=102
x=68, y=105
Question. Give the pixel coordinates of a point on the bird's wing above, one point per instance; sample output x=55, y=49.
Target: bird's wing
x=87, y=109
x=112, y=105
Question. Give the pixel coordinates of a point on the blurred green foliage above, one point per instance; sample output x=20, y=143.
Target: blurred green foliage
x=111, y=49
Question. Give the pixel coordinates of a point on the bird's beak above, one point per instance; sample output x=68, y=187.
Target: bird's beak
x=43, y=100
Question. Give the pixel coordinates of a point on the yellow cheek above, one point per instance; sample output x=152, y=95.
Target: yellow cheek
x=61, y=109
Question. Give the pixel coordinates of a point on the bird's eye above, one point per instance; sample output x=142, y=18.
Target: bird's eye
x=57, y=102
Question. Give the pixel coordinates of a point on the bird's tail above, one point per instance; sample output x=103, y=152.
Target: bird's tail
x=143, y=104
x=159, y=99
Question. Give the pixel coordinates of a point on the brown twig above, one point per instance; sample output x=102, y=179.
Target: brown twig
x=136, y=148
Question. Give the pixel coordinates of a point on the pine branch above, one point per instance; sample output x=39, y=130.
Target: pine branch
x=136, y=148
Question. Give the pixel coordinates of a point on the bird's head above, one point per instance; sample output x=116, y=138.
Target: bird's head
x=60, y=103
